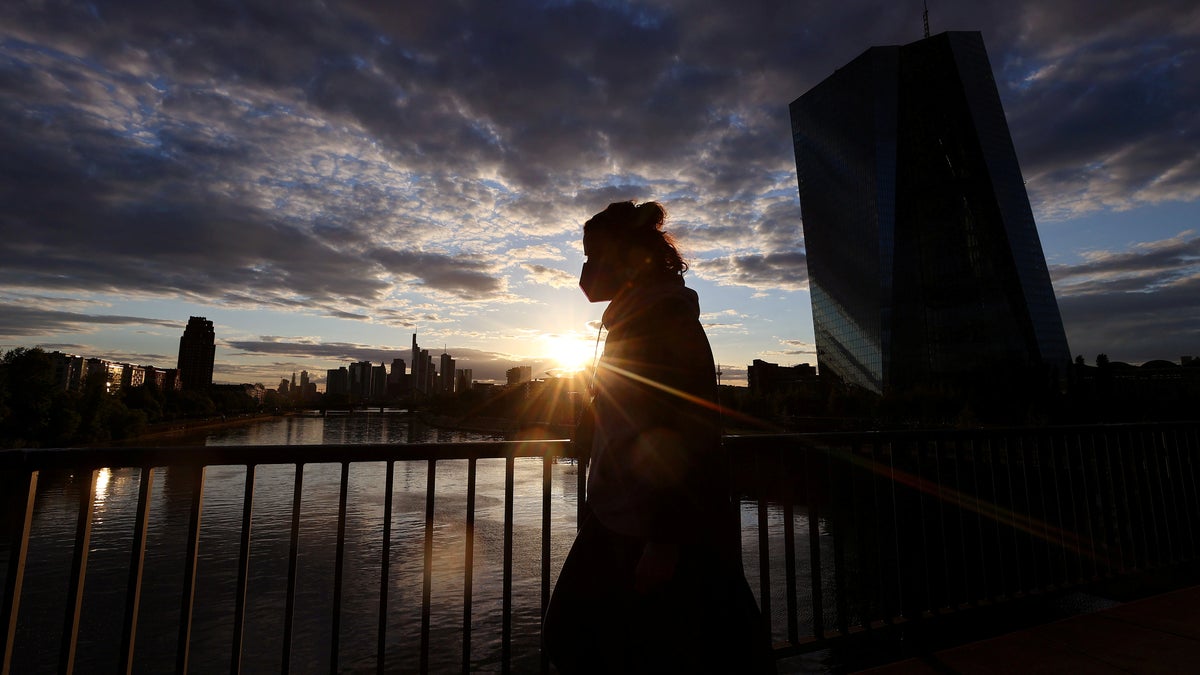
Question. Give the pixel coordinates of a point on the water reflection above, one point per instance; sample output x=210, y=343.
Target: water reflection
x=102, y=478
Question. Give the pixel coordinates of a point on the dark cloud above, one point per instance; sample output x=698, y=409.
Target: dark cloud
x=19, y=320
x=1135, y=306
x=782, y=271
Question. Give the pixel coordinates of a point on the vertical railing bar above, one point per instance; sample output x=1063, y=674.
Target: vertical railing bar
x=995, y=454
x=921, y=496
x=289, y=608
x=1075, y=532
x=385, y=566
x=339, y=567
x=1122, y=539
x=1129, y=539
x=188, y=595
x=506, y=596
x=1158, y=443
x=137, y=559
x=468, y=566
x=815, y=571
x=1174, y=479
x=1044, y=515
x=878, y=596
x=1083, y=531
x=982, y=593
x=787, y=473
x=1011, y=454
x=427, y=569
x=764, y=556
x=547, y=468
x=15, y=576
x=1087, y=494
x=1104, y=498
x=938, y=455
x=79, y=560
x=1060, y=513
x=962, y=527
x=1146, y=502
x=243, y=573
x=1186, y=476
x=1143, y=488
x=898, y=610
x=841, y=599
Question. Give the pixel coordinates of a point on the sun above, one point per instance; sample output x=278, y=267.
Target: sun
x=570, y=353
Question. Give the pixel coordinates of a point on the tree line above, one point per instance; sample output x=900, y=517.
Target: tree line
x=37, y=411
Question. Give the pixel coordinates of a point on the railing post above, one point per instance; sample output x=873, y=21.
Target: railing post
x=427, y=580
x=506, y=593
x=16, y=571
x=188, y=595
x=338, y=570
x=137, y=558
x=290, y=601
x=385, y=561
x=815, y=572
x=239, y=598
x=547, y=468
x=83, y=537
x=468, y=566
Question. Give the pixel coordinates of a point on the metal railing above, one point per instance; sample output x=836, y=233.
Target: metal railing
x=918, y=524
x=899, y=526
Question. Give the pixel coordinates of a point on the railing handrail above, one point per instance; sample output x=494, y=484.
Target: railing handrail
x=243, y=455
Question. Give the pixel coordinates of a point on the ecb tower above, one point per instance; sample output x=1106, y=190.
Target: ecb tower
x=924, y=263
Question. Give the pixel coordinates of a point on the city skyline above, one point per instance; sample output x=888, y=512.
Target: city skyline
x=323, y=182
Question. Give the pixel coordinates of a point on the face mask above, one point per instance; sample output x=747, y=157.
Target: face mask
x=598, y=282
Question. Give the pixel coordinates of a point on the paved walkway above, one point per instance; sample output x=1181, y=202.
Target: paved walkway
x=1160, y=634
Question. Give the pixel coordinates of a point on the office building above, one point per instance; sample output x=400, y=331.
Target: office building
x=197, y=352
x=337, y=381
x=924, y=262
x=446, y=374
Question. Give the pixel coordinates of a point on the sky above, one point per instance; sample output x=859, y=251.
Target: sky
x=322, y=180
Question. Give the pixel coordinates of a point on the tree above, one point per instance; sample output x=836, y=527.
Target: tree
x=28, y=397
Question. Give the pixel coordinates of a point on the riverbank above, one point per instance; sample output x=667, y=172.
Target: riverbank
x=171, y=432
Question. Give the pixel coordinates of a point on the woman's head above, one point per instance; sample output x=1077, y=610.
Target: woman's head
x=624, y=243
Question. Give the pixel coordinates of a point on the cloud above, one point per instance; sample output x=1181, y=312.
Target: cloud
x=1137, y=305
x=360, y=160
x=23, y=320
x=549, y=276
x=783, y=271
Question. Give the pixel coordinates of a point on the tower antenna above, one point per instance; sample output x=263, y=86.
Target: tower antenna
x=925, y=16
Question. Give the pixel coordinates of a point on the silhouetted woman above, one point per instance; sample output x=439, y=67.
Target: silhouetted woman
x=654, y=581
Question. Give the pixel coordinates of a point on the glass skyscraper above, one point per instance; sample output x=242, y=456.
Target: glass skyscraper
x=924, y=262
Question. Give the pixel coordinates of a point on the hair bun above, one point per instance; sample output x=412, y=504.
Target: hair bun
x=650, y=215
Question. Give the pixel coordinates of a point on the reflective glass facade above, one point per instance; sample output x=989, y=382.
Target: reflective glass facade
x=924, y=261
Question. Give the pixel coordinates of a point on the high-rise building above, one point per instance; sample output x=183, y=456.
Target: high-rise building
x=197, y=352
x=924, y=261
x=337, y=381
x=463, y=379
x=422, y=379
x=446, y=376
x=360, y=380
